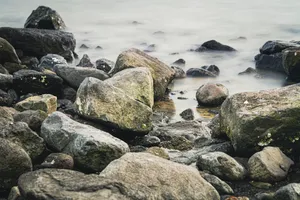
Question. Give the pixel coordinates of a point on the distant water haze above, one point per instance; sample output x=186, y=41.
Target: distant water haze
x=108, y=23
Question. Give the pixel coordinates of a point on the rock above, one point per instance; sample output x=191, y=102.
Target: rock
x=158, y=33
x=99, y=47
x=74, y=76
x=157, y=151
x=20, y=134
x=83, y=46
x=269, y=165
x=179, y=73
x=3, y=70
x=187, y=114
x=6, y=116
x=104, y=65
x=186, y=181
x=34, y=118
x=69, y=93
x=271, y=62
x=85, y=62
x=15, y=194
x=14, y=161
x=66, y=106
x=250, y=71
x=288, y=192
x=161, y=73
x=58, y=161
x=211, y=94
x=5, y=99
x=91, y=148
x=291, y=64
x=179, y=62
x=13, y=67
x=147, y=141
x=103, y=102
x=45, y=18
x=40, y=42
x=30, y=81
x=221, y=186
x=221, y=165
x=261, y=185
x=274, y=113
x=31, y=62
x=50, y=60
x=7, y=52
x=204, y=71
x=150, y=48
x=276, y=46
x=240, y=38
x=45, y=102
x=136, y=83
x=213, y=45
x=215, y=126
x=6, y=81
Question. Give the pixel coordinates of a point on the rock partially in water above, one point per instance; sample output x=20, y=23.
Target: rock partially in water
x=222, y=165
x=85, y=62
x=50, y=60
x=91, y=148
x=187, y=114
x=213, y=45
x=180, y=62
x=253, y=120
x=186, y=181
x=291, y=64
x=7, y=52
x=150, y=48
x=276, y=46
x=45, y=18
x=288, y=192
x=179, y=73
x=211, y=94
x=271, y=62
x=204, y=71
x=251, y=71
x=58, y=161
x=221, y=186
x=84, y=46
x=104, y=65
x=161, y=73
x=269, y=165
x=34, y=118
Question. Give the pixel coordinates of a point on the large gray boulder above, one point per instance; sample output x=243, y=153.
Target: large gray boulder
x=100, y=100
x=276, y=46
x=158, y=178
x=291, y=64
x=211, y=94
x=74, y=76
x=161, y=73
x=7, y=52
x=136, y=83
x=91, y=148
x=253, y=120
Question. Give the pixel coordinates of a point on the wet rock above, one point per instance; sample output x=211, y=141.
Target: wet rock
x=30, y=81
x=211, y=94
x=13, y=67
x=276, y=46
x=45, y=102
x=221, y=165
x=150, y=48
x=8, y=52
x=274, y=113
x=58, y=161
x=179, y=73
x=151, y=185
x=204, y=71
x=179, y=62
x=50, y=60
x=31, y=62
x=136, y=83
x=14, y=161
x=103, y=102
x=66, y=106
x=161, y=73
x=213, y=45
x=158, y=151
x=34, y=118
x=288, y=192
x=147, y=141
x=215, y=127
x=104, y=65
x=5, y=99
x=91, y=148
x=187, y=114
x=3, y=70
x=85, y=62
x=291, y=64
x=45, y=18
x=221, y=186
x=6, y=81
x=39, y=42
x=250, y=71
x=271, y=62
x=269, y=165
x=83, y=46
x=74, y=76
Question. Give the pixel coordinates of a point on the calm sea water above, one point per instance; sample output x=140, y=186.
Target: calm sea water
x=108, y=23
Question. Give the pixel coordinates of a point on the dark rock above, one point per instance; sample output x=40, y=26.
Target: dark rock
x=211, y=94
x=174, y=53
x=182, y=98
x=31, y=62
x=276, y=46
x=104, y=65
x=83, y=46
x=150, y=48
x=291, y=64
x=13, y=67
x=179, y=73
x=251, y=71
x=147, y=141
x=269, y=62
x=34, y=118
x=137, y=148
x=215, y=127
x=6, y=82
x=66, y=106
x=241, y=38
x=45, y=18
x=99, y=47
x=5, y=99
x=213, y=45
x=29, y=81
x=69, y=93
x=58, y=161
x=221, y=186
x=187, y=114
x=3, y=70
x=7, y=52
x=50, y=60
x=204, y=71
x=159, y=33
x=85, y=62
x=39, y=42
x=179, y=62
x=288, y=192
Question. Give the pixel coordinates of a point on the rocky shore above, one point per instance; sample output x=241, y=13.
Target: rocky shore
x=83, y=130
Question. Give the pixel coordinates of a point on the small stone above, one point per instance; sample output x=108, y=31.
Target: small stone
x=34, y=118
x=212, y=94
x=58, y=161
x=150, y=48
x=179, y=73
x=204, y=71
x=14, y=67
x=85, y=62
x=157, y=151
x=187, y=114
x=99, y=47
x=221, y=186
x=261, y=185
x=83, y=46
x=179, y=62
x=104, y=65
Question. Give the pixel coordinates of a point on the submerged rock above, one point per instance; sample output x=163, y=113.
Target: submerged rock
x=291, y=64
x=158, y=151
x=45, y=18
x=253, y=120
x=251, y=71
x=85, y=62
x=213, y=45
x=204, y=71
x=91, y=148
x=104, y=64
x=161, y=73
x=51, y=60
x=211, y=94
x=7, y=52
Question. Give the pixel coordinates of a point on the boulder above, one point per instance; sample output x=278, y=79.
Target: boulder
x=8, y=52
x=269, y=165
x=179, y=62
x=58, y=161
x=222, y=165
x=186, y=181
x=276, y=46
x=69, y=93
x=213, y=45
x=45, y=18
x=14, y=161
x=6, y=116
x=74, y=76
x=253, y=120
x=187, y=114
x=85, y=62
x=34, y=118
x=151, y=48
x=101, y=101
x=50, y=60
x=6, y=81
x=84, y=46
x=30, y=81
x=136, y=83
x=31, y=62
x=13, y=67
x=91, y=148
x=271, y=62
x=104, y=64
x=45, y=102
x=214, y=126
x=204, y=71
x=5, y=99
x=40, y=42
x=291, y=64
x=3, y=70
x=221, y=186
x=288, y=192
x=212, y=94
x=251, y=71
x=66, y=106
x=179, y=73
x=161, y=73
